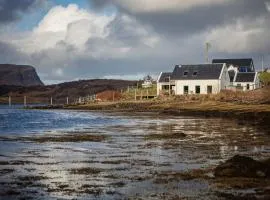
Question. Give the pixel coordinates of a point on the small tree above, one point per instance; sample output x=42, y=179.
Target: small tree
x=265, y=78
x=148, y=78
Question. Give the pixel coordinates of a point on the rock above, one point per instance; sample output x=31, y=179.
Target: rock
x=242, y=166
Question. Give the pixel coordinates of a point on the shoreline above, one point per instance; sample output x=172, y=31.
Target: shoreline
x=254, y=114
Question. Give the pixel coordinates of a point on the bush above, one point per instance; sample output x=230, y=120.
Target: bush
x=265, y=78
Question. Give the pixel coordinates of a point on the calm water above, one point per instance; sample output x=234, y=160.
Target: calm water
x=126, y=163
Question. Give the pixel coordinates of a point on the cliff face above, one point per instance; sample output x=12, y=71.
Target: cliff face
x=19, y=75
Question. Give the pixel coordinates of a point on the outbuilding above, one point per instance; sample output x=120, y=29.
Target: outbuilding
x=246, y=81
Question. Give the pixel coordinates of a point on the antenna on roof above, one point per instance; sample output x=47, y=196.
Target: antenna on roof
x=207, y=47
x=262, y=63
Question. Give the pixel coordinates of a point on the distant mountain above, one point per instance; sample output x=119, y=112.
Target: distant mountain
x=19, y=75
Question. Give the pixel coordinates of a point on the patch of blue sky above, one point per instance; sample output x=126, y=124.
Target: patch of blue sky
x=81, y=3
x=30, y=20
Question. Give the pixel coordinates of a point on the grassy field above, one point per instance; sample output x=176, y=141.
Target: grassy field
x=139, y=92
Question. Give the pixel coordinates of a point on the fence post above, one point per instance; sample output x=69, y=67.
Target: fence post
x=9, y=101
x=135, y=94
x=67, y=100
x=51, y=101
x=24, y=101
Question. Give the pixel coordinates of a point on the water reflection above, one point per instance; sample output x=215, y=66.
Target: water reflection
x=127, y=162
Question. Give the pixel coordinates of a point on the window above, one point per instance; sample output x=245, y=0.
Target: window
x=248, y=86
x=185, y=89
x=195, y=73
x=198, y=89
x=209, y=89
x=185, y=73
x=165, y=87
x=239, y=86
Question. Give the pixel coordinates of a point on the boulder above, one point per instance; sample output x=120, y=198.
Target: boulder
x=242, y=166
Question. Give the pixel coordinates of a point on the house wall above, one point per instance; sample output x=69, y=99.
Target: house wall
x=179, y=86
x=252, y=85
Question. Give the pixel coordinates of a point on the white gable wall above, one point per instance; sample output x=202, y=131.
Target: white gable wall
x=224, y=78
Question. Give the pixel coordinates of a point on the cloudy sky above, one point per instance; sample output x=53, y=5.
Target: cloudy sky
x=83, y=39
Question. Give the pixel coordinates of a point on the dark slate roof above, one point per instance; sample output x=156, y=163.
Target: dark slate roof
x=236, y=62
x=231, y=75
x=165, y=77
x=245, y=77
x=203, y=72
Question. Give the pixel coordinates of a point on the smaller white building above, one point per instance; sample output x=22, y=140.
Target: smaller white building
x=246, y=81
x=164, y=84
x=148, y=82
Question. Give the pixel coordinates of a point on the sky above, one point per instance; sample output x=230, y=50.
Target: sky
x=69, y=40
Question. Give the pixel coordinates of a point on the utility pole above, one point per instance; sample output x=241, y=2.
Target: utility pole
x=207, y=47
x=135, y=94
x=262, y=63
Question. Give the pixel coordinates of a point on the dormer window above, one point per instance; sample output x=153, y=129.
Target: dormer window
x=185, y=73
x=195, y=73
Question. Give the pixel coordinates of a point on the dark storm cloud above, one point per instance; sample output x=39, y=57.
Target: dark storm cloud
x=9, y=54
x=10, y=10
x=196, y=19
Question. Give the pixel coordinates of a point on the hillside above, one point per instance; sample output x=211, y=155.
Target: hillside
x=19, y=75
x=59, y=92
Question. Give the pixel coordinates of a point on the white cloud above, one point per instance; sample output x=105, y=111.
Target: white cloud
x=267, y=4
x=243, y=36
x=58, y=72
x=69, y=35
x=142, y=6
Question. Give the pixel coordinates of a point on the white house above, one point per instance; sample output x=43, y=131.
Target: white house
x=246, y=81
x=242, y=73
x=195, y=79
x=148, y=82
x=200, y=79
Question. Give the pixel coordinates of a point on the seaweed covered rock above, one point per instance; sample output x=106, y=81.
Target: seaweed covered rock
x=242, y=166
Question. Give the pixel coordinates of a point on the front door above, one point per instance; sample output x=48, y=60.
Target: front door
x=209, y=89
x=186, y=89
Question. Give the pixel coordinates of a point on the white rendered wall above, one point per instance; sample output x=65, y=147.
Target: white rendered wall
x=179, y=86
x=252, y=85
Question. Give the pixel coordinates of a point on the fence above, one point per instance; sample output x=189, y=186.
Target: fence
x=127, y=93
